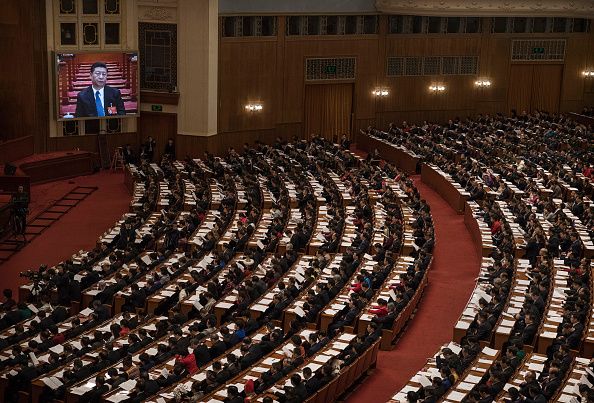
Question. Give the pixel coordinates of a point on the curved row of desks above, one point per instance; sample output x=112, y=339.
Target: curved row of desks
x=397, y=155
x=450, y=191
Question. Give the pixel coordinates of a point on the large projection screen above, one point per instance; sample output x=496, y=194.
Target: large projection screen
x=96, y=85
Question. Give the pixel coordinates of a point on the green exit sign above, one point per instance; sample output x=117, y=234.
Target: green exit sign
x=157, y=108
x=538, y=50
x=331, y=69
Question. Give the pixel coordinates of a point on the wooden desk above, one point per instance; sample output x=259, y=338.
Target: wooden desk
x=468, y=315
x=552, y=316
x=290, y=311
x=585, y=120
x=573, y=377
x=452, y=193
x=297, y=270
x=477, y=369
x=400, y=267
x=399, y=156
x=58, y=165
x=530, y=360
x=517, y=297
x=479, y=231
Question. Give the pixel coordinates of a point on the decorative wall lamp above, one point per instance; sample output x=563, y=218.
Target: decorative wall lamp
x=253, y=108
x=437, y=88
x=380, y=92
x=482, y=83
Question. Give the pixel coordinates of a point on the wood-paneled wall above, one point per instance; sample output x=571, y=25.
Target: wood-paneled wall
x=91, y=143
x=161, y=126
x=23, y=72
x=271, y=71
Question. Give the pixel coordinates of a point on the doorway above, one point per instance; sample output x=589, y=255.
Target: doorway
x=328, y=110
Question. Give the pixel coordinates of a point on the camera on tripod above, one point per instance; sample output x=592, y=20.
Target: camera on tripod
x=34, y=275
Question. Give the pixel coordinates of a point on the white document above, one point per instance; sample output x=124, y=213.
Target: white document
x=86, y=312
x=49, y=382
x=58, y=349
x=456, y=396
x=533, y=366
x=299, y=312
x=465, y=386
x=423, y=380
x=197, y=304
x=491, y=352
x=462, y=325
x=128, y=385
x=472, y=379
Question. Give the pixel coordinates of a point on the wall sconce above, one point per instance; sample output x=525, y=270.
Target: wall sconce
x=482, y=83
x=380, y=92
x=253, y=108
x=437, y=88
x=588, y=73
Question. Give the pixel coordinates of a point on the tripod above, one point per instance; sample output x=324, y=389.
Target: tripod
x=36, y=292
x=19, y=222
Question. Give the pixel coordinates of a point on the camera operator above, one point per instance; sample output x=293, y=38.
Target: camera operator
x=172, y=236
x=20, y=209
x=40, y=283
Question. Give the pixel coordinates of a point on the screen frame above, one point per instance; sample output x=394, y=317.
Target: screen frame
x=98, y=52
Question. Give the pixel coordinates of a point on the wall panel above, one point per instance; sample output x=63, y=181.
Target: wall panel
x=247, y=74
x=409, y=98
x=546, y=87
x=161, y=127
x=520, y=88
x=91, y=143
x=573, y=80
x=271, y=70
x=23, y=78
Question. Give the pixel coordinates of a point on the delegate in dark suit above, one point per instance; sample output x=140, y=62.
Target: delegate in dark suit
x=87, y=108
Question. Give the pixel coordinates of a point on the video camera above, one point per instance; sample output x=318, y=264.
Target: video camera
x=34, y=275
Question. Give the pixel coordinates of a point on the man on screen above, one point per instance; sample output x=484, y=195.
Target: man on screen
x=99, y=99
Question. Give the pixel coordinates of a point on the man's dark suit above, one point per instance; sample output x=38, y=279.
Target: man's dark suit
x=86, y=107
x=247, y=360
x=218, y=348
x=540, y=398
x=387, y=321
x=528, y=333
x=81, y=374
x=202, y=355
x=94, y=395
x=482, y=332
x=312, y=385
x=550, y=386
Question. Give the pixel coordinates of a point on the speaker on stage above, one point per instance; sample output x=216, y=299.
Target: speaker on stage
x=10, y=168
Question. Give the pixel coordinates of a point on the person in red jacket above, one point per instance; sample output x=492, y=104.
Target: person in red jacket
x=495, y=227
x=188, y=361
x=382, y=310
x=58, y=338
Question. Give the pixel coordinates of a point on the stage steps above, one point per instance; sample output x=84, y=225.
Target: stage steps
x=45, y=219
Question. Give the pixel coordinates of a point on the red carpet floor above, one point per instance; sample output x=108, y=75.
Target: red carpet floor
x=78, y=229
x=451, y=281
